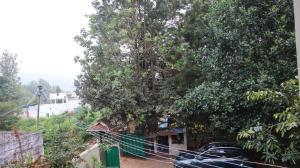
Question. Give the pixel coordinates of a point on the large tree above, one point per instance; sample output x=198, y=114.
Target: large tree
x=123, y=66
x=141, y=56
x=240, y=47
x=10, y=90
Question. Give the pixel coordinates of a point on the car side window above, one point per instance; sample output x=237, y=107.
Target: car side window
x=234, y=153
x=203, y=148
x=215, y=153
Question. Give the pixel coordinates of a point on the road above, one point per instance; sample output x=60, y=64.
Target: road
x=129, y=162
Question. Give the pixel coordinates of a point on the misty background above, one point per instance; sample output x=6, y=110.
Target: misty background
x=41, y=34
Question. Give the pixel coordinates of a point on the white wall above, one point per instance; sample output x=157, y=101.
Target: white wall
x=51, y=109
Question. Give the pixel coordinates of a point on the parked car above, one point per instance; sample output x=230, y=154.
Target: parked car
x=183, y=155
x=227, y=157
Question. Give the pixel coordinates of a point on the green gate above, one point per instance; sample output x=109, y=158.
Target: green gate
x=133, y=145
x=112, y=157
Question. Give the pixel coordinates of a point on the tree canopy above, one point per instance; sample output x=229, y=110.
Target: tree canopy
x=194, y=62
x=10, y=90
x=243, y=46
x=123, y=69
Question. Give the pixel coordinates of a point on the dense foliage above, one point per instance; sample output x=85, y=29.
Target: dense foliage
x=63, y=138
x=13, y=95
x=243, y=46
x=10, y=90
x=191, y=61
x=279, y=137
x=123, y=70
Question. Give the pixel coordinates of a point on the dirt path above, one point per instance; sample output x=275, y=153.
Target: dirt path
x=128, y=162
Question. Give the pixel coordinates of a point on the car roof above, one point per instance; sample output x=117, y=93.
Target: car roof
x=227, y=147
x=221, y=142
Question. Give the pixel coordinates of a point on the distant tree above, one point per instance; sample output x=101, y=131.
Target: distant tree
x=9, y=65
x=47, y=88
x=58, y=89
x=32, y=87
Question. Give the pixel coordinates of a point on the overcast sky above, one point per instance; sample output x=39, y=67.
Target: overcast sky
x=41, y=33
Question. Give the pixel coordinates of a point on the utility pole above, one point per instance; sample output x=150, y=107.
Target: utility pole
x=39, y=93
x=297, y=30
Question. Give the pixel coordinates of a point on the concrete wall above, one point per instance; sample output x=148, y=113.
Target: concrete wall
x=94, y=152
x=88, y=155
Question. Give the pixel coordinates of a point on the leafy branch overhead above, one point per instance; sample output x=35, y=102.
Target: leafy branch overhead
x=279, y=139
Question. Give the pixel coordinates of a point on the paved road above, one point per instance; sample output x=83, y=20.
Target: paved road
x=128, y=162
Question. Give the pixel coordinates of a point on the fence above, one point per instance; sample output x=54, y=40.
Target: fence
x=20, y=146
x=140, y=148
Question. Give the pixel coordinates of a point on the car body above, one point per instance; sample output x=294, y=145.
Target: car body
x=183, y=155
x=229, y=157
x=191, y=155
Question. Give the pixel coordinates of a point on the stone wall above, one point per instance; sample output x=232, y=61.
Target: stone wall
x=27, y=146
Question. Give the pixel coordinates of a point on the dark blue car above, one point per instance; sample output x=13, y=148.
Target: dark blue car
x=213, y=157
x=183, y=155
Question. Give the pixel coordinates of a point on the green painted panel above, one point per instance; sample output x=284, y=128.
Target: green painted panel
x=112, y=158
x=133, y=145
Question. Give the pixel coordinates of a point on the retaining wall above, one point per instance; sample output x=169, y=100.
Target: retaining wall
x=27, y=146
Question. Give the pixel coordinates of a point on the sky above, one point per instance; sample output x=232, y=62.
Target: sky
x=41, y=33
